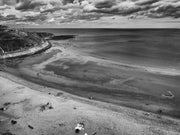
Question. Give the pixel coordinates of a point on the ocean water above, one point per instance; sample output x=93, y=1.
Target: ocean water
x=145, y=47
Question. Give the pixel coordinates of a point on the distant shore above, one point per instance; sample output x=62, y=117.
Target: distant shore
x=27, y=52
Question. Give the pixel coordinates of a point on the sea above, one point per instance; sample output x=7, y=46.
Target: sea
x=144, y=47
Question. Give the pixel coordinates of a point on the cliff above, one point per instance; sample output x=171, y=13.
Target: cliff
x=18, y=42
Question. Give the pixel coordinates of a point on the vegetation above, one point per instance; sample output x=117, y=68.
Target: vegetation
x=12, y=40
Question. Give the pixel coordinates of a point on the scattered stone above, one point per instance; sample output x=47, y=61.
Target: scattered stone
x=59, y=94
x=79, y=127
x=90, y=97
x=31, y=127
x=61, y=125
x=95, y=133
x=46, y=106
x=147, y=114
x=3, y=109
x=6, y=104
x=50, y=107
x=7, y=133
x=85, y=134
x=160, y=111
x=13, y=122
x=168, y=95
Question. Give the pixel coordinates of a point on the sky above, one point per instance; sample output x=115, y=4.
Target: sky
x=91, y=13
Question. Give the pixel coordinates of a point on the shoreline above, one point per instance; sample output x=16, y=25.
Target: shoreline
x=34, y=70
x=125, y=119
x=161, y=109
x=30, y=51
x=100, y=113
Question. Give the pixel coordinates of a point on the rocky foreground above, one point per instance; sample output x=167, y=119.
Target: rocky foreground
x=30, y=109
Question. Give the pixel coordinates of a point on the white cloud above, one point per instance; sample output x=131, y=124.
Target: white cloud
x=51, y=20
x=65, y=11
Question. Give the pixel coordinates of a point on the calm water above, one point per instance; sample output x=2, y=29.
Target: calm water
x=154, y=48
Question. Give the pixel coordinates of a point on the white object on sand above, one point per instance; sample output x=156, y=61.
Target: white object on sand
x=169, y=95
x=79, y=127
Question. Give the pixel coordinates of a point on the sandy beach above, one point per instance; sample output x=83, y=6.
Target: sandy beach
x=75, y=71
x=50, y=93
x=33, y=109
x=89, y=67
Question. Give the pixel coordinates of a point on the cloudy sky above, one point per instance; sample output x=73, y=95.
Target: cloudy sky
x=91, y=13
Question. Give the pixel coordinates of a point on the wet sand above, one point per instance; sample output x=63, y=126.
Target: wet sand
x=69, y=69
x=110, y=98
x=32, y=109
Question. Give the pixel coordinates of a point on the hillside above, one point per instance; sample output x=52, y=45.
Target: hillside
x=20, y=42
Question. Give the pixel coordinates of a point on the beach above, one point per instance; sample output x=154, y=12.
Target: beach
x=26, y=113
x=89, y=67
x=53, y=91
x=72, y=70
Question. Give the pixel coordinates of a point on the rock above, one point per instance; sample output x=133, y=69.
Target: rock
x=160, y=111
x=61, y=125
x=13, y=122
x=31, y=127
x=6, y=104
x=3, y=109
x=50, y=107
x=147, y=114
x=90, y=97
x=59, y=94
x=46, y=106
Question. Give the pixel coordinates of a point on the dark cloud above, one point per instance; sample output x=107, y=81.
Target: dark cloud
x=8, y=18
x=73, y=10
x=65, y=2
x=34, y=18
x=150, y=8
x=113, y=7
x=27, y=4
x=87, y=17
x=7, y=2
x=166, y=10
x=104, y=4
x=4, y=8
x=146, y=2
x=118, y=11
